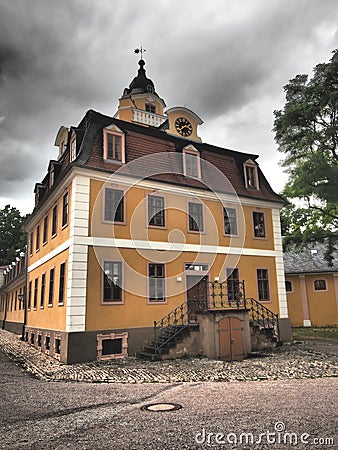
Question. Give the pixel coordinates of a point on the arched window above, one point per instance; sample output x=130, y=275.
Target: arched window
x=320, y=285
x=288, y=286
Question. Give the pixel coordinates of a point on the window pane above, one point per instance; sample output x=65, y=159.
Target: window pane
x=195, y=217
x=230, y=221
x=191, y=165
x=259, y=224
x=320, y=285
x=62, y=282
x=251, y=177
x=65, y=209
x=51, y=287
x=156, y=283
x=114, y=209
x=156, y=210
x=112, y=281
x=263, y=284
x=114, y=146
x=288, y=286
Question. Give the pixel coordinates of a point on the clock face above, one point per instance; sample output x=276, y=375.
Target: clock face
x=183, y=126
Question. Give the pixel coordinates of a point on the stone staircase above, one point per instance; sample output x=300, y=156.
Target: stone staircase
x=174, y=328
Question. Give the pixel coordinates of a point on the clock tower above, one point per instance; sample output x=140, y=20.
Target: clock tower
x=184, y=123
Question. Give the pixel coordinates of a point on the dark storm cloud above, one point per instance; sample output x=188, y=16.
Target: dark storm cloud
x=60, y=58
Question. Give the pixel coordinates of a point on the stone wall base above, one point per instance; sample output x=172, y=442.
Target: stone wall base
x=78, y=347
x=285, y=330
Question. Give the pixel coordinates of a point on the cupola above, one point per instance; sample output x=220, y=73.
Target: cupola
x=140, y=102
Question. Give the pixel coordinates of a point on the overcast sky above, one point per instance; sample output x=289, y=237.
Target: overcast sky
x=227, y=60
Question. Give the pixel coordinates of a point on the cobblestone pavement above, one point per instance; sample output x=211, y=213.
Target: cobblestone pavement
x=299, y=360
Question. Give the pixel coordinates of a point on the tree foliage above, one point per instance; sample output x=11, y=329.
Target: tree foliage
x=12, y=237
x=306, y=131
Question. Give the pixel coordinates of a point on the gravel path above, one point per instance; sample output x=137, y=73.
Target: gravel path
x=301, y=360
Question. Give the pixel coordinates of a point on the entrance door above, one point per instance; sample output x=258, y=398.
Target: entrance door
x=196, y=296
x=230, y=339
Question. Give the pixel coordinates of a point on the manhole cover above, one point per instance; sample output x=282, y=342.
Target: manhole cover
x=161, y=407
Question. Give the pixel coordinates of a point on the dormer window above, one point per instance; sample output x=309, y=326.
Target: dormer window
x=250, y=175
x=73, y=149
x=191, y=162
x=150, y=108
x=51, y=177
x=113, y=143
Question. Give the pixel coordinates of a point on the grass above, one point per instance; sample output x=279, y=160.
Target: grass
x=313, y=332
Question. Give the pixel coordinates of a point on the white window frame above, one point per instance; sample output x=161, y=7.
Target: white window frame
x=252, y=165
x=192, y=151
x=112, y=302
x=106, y=134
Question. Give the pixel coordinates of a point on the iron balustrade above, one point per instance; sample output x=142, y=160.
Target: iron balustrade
x=263, y=317
x=211, y=296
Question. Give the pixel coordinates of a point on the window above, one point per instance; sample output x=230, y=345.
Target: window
x=250, y=174
x=47, y=343
x=65, y=209
x=29, y=295
x=57, y=346
x=191, y=164
x=112, y=345
x=259, y=224
x=114, y=205
x=35, y=301
x=233, y=285
x=45, y=230
x=51, y=287
x=62, y=283
x=113, y=146
x=156, y=211
x=54, y=220
x=230, y=221
x=51, y=177
x=288, y=286
x=150, y=108
x=43, y=288
x=263, y=284
x=73, y=149
x=195, y=217
x=31, y=243
x=156, y=283
x=320, y=285
x=37, y=238
x=112, y=290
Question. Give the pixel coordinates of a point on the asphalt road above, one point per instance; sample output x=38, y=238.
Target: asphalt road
x=37, y=414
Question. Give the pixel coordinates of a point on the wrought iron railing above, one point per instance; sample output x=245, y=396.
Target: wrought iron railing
x=263, y=317
x=226, y=294
x=210, y=296
x=170, y=326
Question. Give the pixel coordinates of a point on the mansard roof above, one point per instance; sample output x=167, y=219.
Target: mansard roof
x=141, y=141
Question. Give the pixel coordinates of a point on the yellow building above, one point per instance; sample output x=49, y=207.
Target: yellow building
x=137, y=217
x=12, y=294
x=311, y=287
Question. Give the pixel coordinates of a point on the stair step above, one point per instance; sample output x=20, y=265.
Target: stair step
x=149, y=356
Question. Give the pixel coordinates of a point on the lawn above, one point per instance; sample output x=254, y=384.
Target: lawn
x=313, y=332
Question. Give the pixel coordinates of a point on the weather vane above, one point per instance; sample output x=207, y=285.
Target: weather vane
x=140, y=50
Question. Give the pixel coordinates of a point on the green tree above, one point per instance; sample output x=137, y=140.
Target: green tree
x=306, y=131
x=12, y=237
